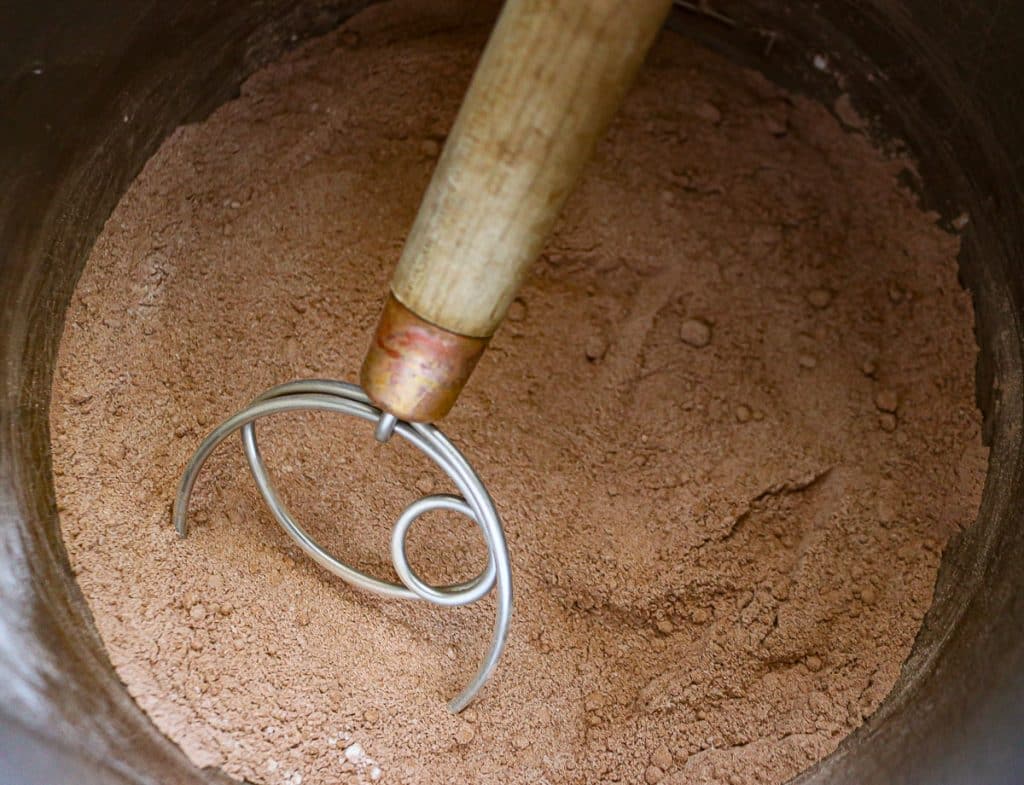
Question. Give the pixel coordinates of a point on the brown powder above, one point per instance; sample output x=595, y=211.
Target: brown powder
x=729, y=426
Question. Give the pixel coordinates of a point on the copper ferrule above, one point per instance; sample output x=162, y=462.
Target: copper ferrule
x=415, y=370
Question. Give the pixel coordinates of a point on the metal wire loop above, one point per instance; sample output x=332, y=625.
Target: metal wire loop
x=475, y=503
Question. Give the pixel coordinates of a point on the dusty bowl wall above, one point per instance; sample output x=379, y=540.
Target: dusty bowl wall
x=941, y=75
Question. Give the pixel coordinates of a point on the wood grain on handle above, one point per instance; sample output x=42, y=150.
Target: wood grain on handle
x=548, y=83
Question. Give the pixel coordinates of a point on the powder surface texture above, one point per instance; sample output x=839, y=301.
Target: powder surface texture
x=729, y=425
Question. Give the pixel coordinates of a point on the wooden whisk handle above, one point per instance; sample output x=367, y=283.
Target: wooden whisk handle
x=551, y=77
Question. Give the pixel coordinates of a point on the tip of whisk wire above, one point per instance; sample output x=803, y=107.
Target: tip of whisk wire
x=385, y=427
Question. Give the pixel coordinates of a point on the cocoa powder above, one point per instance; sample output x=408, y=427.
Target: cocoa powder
x=729, y=426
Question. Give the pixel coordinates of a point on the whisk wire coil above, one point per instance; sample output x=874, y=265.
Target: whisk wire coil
x=475, y=503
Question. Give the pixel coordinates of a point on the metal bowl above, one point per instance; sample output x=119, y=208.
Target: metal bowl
x=87, y=92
